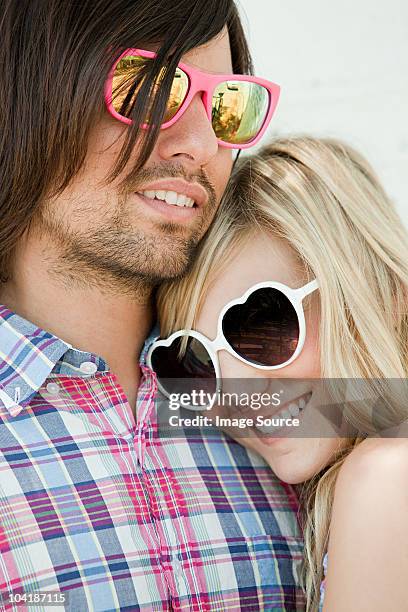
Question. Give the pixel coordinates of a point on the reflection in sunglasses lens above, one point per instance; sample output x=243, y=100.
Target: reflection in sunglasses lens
x=265, y=329
x=128, y=78
x=178, y=94
x=176, y=365
x=239, y=109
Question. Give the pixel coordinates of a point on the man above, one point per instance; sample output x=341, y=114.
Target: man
x=98, y=205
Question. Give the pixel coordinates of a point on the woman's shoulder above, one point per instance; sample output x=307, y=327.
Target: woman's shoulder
x=376, y=471
x=369, y=522
x=372, y=462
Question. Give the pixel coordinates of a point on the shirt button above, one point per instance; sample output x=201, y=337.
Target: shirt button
x=87, y=367
x=53, y=388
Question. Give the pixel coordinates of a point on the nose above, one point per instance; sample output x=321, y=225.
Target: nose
x=191, y=139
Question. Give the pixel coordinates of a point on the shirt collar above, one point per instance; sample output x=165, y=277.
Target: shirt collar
x=154, y=334
x=28, y=354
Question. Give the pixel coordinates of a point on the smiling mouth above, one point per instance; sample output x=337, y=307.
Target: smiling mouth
x=172, y=198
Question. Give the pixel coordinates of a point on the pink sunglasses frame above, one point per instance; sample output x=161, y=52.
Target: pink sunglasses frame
x=199, y=82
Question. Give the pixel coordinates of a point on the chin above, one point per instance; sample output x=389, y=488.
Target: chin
x=162, y=265
x=171, y=260
x=292, y=479
x=293, y=474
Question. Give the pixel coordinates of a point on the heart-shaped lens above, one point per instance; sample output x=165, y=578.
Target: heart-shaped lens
x=265, y=329
x=184, y=366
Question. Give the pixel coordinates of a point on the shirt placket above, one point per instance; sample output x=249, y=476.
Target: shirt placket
x=146, y=421
x=163, y=490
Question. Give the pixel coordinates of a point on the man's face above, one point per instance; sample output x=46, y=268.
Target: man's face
x=115, y=234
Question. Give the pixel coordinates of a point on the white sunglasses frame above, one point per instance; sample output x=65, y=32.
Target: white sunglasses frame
x=295, y=296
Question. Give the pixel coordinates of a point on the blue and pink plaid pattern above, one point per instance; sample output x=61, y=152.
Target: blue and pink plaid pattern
x=98, y=506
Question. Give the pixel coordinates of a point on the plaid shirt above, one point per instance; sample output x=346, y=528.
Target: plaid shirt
x=102, y=509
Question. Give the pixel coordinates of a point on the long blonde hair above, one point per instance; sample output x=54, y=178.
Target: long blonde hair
x=323, y=198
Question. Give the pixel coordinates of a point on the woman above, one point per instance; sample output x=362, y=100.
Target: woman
x=307, y=262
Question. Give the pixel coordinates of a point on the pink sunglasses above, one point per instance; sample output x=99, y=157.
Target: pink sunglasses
x=238, y=106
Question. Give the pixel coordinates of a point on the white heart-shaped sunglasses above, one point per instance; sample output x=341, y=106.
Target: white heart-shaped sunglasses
x=264, y=328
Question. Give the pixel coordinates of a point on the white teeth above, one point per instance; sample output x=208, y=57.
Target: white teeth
x=181, y=200
x=170, y=197
x=294, y=409
x=266, y=429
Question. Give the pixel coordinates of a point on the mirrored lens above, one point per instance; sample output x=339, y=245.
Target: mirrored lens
x=183, y=366
x=178, y=94
x=265, y=329
x=239, y=110
x=128, y=78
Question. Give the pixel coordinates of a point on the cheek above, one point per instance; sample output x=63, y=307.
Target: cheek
x=219, y=170
x=302, y=458
x=307, y=364
x=311, y=347
x=105, y=144
x=88, y=193
x=231, y=367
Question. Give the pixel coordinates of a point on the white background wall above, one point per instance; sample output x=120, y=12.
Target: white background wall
x=343, y=69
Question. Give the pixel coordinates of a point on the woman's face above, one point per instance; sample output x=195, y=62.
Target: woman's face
x=294, y=459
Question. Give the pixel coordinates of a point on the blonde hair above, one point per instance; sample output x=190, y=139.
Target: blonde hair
x=323, y=198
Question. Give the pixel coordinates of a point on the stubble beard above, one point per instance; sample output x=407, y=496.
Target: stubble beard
x=116, y=256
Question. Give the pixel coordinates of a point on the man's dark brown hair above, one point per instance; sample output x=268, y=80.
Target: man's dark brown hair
x=55, y=56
